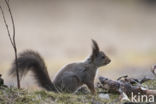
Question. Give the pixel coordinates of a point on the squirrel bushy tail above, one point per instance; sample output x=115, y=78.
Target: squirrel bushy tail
x=32, y=61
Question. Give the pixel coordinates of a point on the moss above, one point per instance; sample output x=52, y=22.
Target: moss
x=150, y=84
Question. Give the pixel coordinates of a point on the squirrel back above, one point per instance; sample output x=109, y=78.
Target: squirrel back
x=31, y=60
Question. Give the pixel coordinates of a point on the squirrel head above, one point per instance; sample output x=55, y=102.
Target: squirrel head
x=98, y=58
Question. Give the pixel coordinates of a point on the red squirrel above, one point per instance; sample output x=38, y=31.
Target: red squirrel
x=69, y=78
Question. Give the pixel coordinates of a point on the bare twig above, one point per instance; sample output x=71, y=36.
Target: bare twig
x=12, y=20
x=6, y=25
x=154, y=70
x=12, y=40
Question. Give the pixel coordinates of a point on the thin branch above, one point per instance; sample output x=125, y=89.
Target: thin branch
x=12, y=20
x=154, y=70
x=12, y=40
x=6, y=25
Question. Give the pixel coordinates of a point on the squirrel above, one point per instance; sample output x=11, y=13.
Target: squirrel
x=69, y=78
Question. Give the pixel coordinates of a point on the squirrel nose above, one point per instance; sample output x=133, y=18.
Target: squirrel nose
x=109, y=60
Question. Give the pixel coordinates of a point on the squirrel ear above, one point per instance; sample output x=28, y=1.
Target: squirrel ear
x=95, y=49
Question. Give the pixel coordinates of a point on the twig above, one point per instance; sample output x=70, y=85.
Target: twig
x=13, y=42
x=13, y=24
x=6, y=25
x=154, y=70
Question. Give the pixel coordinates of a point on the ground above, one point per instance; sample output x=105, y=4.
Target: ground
x=13, y=95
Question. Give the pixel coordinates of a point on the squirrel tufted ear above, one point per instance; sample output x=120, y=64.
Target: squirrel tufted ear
x=95, y=49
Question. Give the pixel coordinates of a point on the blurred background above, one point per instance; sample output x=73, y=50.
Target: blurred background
x=61, y=31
